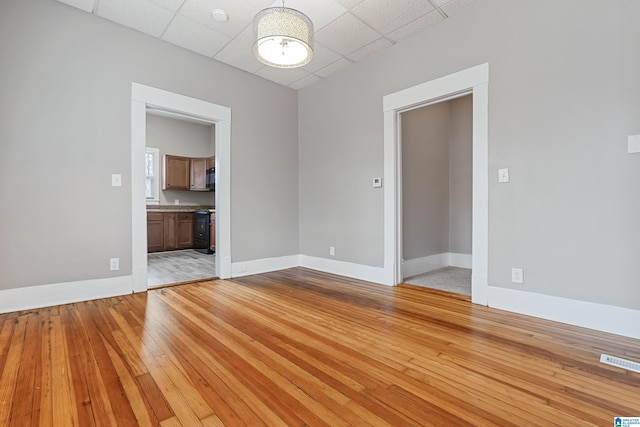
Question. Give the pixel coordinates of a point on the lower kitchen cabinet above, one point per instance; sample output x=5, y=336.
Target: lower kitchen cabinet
x=184, y=230
x=155, y=232
x=167, y=231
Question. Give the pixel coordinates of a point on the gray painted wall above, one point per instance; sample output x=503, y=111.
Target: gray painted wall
x=425, y=181
x=460, y=174
x=181, y=138
x=563, y=97
x=436, y=179
x=65, y=127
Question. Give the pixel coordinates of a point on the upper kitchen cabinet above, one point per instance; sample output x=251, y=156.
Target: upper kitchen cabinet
x=176, y=173
x=199, y=174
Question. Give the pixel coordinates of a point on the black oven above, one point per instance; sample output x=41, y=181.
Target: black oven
x=201, y=232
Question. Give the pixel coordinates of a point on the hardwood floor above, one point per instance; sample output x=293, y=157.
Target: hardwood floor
x=303, y=348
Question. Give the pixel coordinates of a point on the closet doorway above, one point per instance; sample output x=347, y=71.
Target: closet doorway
x=437, y=185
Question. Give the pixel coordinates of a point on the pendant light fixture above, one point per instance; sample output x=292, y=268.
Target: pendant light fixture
x=284, y=37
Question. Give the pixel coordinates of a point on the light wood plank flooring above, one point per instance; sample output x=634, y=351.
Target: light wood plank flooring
x=303, y=348
x=164, y=268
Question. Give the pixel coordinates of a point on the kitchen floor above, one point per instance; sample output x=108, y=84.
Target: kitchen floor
x=164, y=268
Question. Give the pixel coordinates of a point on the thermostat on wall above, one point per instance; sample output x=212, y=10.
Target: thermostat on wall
x=377, y=182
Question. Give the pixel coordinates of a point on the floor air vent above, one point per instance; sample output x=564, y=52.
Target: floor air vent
x=620, y=363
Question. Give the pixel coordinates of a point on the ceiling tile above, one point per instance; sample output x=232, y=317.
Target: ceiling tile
x=283, y=76
x=321, y=12
x=347, y=34
x=86, y=5
x=240, y=55
x=172, y=5
x=307, y=81
x=336, y=66
x=240, y=14
x=376, y=46
x=259, y=4
x=420, y=24
x=349, y=3
x=456, y=6
x=141, y=15
x=321, y=58
x=385, y=16
x=194, y=36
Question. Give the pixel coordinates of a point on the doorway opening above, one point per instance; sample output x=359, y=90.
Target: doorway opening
x=436, y=147
x=143, y=99
x=180, y=152
x=472, y=81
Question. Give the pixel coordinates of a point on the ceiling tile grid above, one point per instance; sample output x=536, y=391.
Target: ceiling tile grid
x=346, y=31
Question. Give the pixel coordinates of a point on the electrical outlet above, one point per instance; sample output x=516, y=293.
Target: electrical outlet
x=116, y=180
x=114, y=264
x=177, y=202
x=332, y=251
x=517, y=275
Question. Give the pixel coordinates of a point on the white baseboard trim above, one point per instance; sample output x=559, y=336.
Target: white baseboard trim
x=63, y=293
x=459, y=260
x=601, y=317
x=413, y=267
x=348, y=269
x=257, y=266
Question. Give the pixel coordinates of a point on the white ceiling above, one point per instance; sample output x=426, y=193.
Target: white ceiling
x=345, y=30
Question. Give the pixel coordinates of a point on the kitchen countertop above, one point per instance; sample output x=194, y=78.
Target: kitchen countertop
x=179, y=208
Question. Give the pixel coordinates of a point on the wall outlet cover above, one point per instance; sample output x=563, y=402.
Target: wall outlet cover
x=114, y=264
x=517, y=275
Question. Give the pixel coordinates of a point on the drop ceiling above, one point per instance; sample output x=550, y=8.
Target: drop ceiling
x=346, y=31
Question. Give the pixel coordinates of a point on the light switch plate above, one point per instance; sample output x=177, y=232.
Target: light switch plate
x=634, y=144
x=116, y=180
x=503, y=175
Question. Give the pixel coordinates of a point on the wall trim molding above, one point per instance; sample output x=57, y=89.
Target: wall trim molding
x=600, y=317
x=413, y=267
x=356, y=271
x=473, y=80
x=32, y=297
x=265, y=265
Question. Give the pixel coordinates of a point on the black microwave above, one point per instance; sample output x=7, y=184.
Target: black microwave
x=211, y=179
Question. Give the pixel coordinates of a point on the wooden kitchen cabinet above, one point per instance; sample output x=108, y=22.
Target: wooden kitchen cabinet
x=170, y=225
x=198, y=174
x=184, y=230
x=155, y=232
x=167, y=231
x=176, y=173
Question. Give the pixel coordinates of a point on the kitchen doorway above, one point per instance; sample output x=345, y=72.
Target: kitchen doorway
x=144, y=98
x=180, y=157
